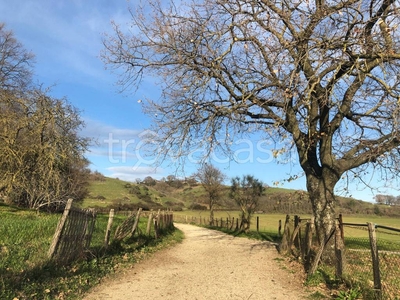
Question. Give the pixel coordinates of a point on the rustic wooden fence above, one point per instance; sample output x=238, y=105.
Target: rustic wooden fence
x=156, y=222
x=73, y=234
x=365, y=255
x=230, y=223
x=74, y=231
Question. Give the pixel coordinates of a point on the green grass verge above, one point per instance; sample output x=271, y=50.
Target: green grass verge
x=26, y=273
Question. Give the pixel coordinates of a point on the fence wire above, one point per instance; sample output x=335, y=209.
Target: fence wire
x=357, y=268
x=389, y=261
x=358, y=264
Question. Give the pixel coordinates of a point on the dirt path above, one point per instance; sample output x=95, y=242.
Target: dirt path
x=206, y=265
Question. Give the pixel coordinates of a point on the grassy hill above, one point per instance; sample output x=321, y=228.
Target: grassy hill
x=106, y=193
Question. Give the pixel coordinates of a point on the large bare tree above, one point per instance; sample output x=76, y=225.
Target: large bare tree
x=321, y=76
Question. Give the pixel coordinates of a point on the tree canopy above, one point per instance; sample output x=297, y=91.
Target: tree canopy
x=321, y=76
x=15, y=62
x=212, y=179
x=246, y=192
x=42, y=161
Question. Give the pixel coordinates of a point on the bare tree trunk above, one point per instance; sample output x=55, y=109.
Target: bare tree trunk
x=322, y=200
x=211, y=215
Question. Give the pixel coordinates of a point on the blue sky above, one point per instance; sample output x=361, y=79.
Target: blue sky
x=66, y=38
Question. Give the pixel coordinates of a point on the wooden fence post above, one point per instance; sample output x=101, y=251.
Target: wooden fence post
x=168, y=219
x=283, y=247
x=162, y=225
x=341, y=226
x=296, y=233
x=135, y=224
x=149, y=223
x=375, y=260
x=60, y=226
x=155, y=227
x=280, y=228
x=108, y=231
x=339, y=250
x=258, y=223
x=309, y=237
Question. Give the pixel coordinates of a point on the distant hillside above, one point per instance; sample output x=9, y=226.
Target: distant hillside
x=106, y=193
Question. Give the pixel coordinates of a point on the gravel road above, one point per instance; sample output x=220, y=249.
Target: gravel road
x=208, y=264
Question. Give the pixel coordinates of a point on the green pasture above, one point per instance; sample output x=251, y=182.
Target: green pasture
x=267, y=222
x=26, y=272
x=25, y=238
x=103, y=193
x=270, y=223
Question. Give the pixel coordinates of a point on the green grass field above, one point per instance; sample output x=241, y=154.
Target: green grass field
x=26, y=272
x=270, y=222
x=103, y=193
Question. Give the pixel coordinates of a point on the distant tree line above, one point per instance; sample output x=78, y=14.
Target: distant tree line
x=387, y=199
x=170, y=180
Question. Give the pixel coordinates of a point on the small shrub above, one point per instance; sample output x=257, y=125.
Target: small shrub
x=197, y=206
x=134, y=190
x=351, y=294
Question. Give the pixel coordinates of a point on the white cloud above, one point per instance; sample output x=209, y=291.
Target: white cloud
x=99, y=130
x=131, y=173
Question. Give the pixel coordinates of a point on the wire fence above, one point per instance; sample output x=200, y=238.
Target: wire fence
x=364, y=256
x=359, y=264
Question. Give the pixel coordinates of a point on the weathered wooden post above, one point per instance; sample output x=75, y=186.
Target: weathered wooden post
x=375, y=260
x=339, y=250
x=283, y=247
x=308, y=243
x=155, y=228
x=148, y=228
x=341, y=226
x=108, y=231
x=60, y=226
x=295, y=234
x=280, y=228
x=135, y=224
x=258, y=223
